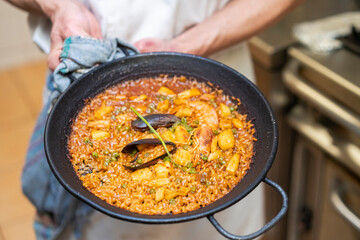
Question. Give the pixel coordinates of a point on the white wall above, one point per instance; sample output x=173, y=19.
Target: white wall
x=16, y=46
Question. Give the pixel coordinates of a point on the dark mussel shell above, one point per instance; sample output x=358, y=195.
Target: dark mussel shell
x=133, y=165
x=155, y=120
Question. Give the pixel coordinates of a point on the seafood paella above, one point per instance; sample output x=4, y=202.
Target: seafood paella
x=161, y=145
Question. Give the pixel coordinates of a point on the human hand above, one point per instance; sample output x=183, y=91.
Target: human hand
x=69, y=18
x=157, y=45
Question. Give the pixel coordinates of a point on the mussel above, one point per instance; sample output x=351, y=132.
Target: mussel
x=146, y=152
x=155, y=120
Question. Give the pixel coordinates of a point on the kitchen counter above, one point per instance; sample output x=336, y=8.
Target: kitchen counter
x=269, y=47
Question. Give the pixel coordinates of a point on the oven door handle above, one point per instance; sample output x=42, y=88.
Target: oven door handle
x=298, y=85
x=342, y=208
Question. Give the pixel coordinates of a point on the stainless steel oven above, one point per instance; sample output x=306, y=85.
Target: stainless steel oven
x=324, y=201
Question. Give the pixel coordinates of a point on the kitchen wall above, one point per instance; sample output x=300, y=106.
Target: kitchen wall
x=16, y=46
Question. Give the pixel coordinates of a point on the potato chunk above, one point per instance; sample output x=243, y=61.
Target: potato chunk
x=182, y=191
x=139, y=98
x=237, y=123
x=160, y=182
x=99, y=124
x=184, y=112
x=224, y=110
x=225, y=123
x=160, y=194
x=226, y=140
x=181, y=135
x=214, y=155
x=233, y=164
x=123, y=118
x=161, y=171
x=163, y=105
x=168, y=135
x=214, y=142
x=103, y=111
x=189, y=93
x=179, y=101
x=166, y=91
x=182, y=157
x=98, y=135
x=142, y=174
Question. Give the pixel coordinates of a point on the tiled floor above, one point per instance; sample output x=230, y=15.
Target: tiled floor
x=20, y=102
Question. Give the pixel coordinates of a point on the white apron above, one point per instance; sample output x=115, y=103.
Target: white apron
x=132, y=20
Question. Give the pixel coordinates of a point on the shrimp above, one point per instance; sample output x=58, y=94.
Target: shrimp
x=205, y=113
x=202, y=141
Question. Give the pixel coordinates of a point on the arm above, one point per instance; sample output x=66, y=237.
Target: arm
x=68, y=17
x=237, y=21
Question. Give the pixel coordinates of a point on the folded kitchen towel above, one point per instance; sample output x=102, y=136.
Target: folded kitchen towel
x=56, y=208
x=320, y=36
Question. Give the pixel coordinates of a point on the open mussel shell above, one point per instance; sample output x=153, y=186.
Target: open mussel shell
x=155, y=120
x=153, y=156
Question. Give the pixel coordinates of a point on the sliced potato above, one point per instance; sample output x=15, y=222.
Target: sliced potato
x=99, y=124
x=140, y=108
x=214, y=142
x=161, y=171
x=237, y=123
x=179, y=101
x=98, y=135
x=142, y=174
x=166, y=91
x=214, y=155
x=225, y=123
x=189, y=93
x=139, y=98
x=184, y=112
x=207, y=97
x=169, y=194
x=160, y=182
x=160, y=194
x=181, y=135
x=120, y=97
x=224, y=110
x=163, y=105
x=103, y=111
x=233, y=164
x=168, y=135
x=182, y=191
x=123, y=118
x=226, y=139
x=182, y=157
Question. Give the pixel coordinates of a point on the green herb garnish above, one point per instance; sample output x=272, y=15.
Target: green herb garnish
x=161, y=140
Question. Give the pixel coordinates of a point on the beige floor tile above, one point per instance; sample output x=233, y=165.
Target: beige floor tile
x=29, y=80
x=16, y=211
x=20, y=229
x=14, y=112
x=13, y=204
x=13, y=145
x=1, y=234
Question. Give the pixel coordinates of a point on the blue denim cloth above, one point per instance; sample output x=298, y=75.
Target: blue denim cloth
x=56, y=208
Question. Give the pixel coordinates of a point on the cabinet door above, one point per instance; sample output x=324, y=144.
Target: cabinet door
x=341, y=210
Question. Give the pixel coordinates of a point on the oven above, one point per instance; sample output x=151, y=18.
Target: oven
x=324, y=117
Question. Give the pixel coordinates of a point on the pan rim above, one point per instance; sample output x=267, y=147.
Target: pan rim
x=174, y=218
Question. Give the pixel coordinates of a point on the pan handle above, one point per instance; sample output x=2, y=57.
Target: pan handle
x=262, y=230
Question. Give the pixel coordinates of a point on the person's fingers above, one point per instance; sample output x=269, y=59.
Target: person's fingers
x=95, y=29
x=147, y=45
x=55, y=51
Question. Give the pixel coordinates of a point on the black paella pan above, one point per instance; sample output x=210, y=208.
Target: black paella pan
x=254, y=104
